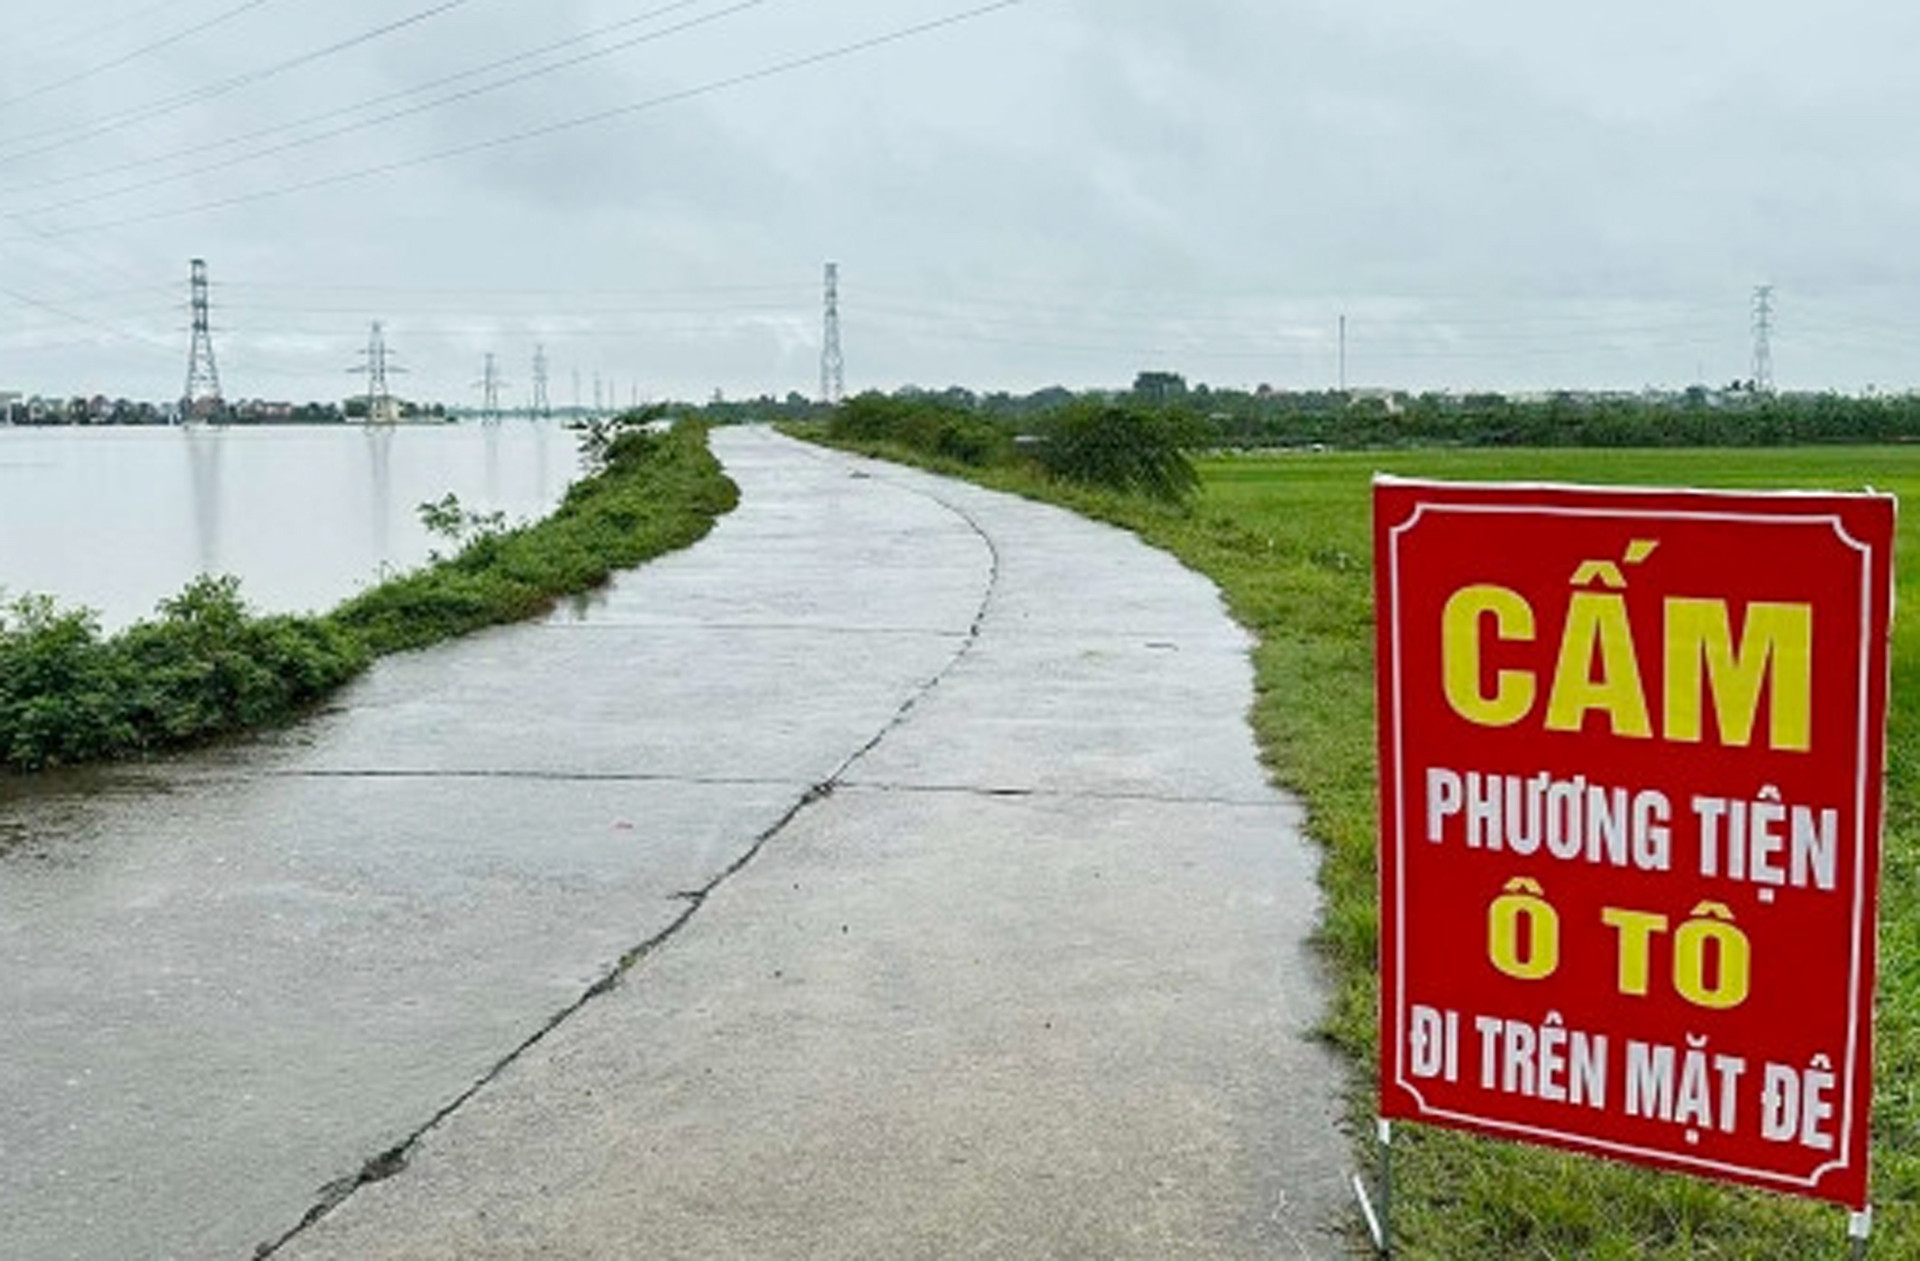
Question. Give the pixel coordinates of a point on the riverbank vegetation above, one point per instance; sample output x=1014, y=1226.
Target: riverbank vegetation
x=206, y=666
x=1286, y=537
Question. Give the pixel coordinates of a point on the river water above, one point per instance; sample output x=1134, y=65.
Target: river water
x=115, y=519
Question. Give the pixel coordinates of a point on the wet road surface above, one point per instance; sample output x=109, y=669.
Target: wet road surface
x=888, y=875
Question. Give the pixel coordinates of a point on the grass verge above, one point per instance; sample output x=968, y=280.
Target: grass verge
x=206, y=667
x=1286, y=538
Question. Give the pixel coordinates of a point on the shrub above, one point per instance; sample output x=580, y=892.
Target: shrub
x=1097, y=443
x=929, y=426
x=970, y=441
x=60, y=687
x=208, y=665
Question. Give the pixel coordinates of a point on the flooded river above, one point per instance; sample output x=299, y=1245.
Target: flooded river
x=115, y=519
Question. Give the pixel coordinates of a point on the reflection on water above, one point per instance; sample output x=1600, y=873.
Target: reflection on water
x=490, y=435
x=52, y=817
x=540, y=463
x=203, y=459
x=380, y=484
x=305, y=515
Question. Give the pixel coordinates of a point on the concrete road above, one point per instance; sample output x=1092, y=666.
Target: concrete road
x=889, y=875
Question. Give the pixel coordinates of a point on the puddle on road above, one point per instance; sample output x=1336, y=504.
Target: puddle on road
x=51, y=816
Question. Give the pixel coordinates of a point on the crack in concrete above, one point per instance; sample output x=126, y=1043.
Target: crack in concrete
x=809, y=628
x=1007, y=792
x=905, y=712
x=394, y=1159
x=538, y=776
x=387, y=1163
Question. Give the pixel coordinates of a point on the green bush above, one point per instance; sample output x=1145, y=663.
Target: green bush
x=929, y=426
x=969, y=441
x=1115, y=447
x=61, y=688
x=207, y=665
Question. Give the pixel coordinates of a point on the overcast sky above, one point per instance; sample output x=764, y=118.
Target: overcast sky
x=1495, y=193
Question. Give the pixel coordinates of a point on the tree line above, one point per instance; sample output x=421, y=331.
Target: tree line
x=1214, y=417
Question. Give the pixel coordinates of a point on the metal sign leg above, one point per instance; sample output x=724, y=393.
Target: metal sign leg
x=1859, y=1228
x=1380, y=1224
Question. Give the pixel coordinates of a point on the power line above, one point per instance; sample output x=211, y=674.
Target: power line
x=1062, y=296
x=571, y=303
x=118, y=296
x=567, y=124
x=96, y=29
x=383, y=119
x=72, y=132
x=1258, y=321
x=365, y=124
x=36, y=231
x=142, y=51
x=787, y=286
x=71, y=317
x=1253, y=338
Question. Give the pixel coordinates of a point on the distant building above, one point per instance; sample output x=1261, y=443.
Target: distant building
x=264, y=411
x=1389, y=400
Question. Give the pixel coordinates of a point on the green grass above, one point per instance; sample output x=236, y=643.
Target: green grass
x=1288, y=540
x=205, y=666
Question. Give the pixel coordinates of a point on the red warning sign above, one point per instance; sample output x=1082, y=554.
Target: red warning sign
x=1631, y=748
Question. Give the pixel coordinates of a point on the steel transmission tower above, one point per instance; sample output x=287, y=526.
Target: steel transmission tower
x=489, y=386
x=832, y=367
x=378, y=362
x=1763, y=339
x=541, y=407
x=201, y=399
